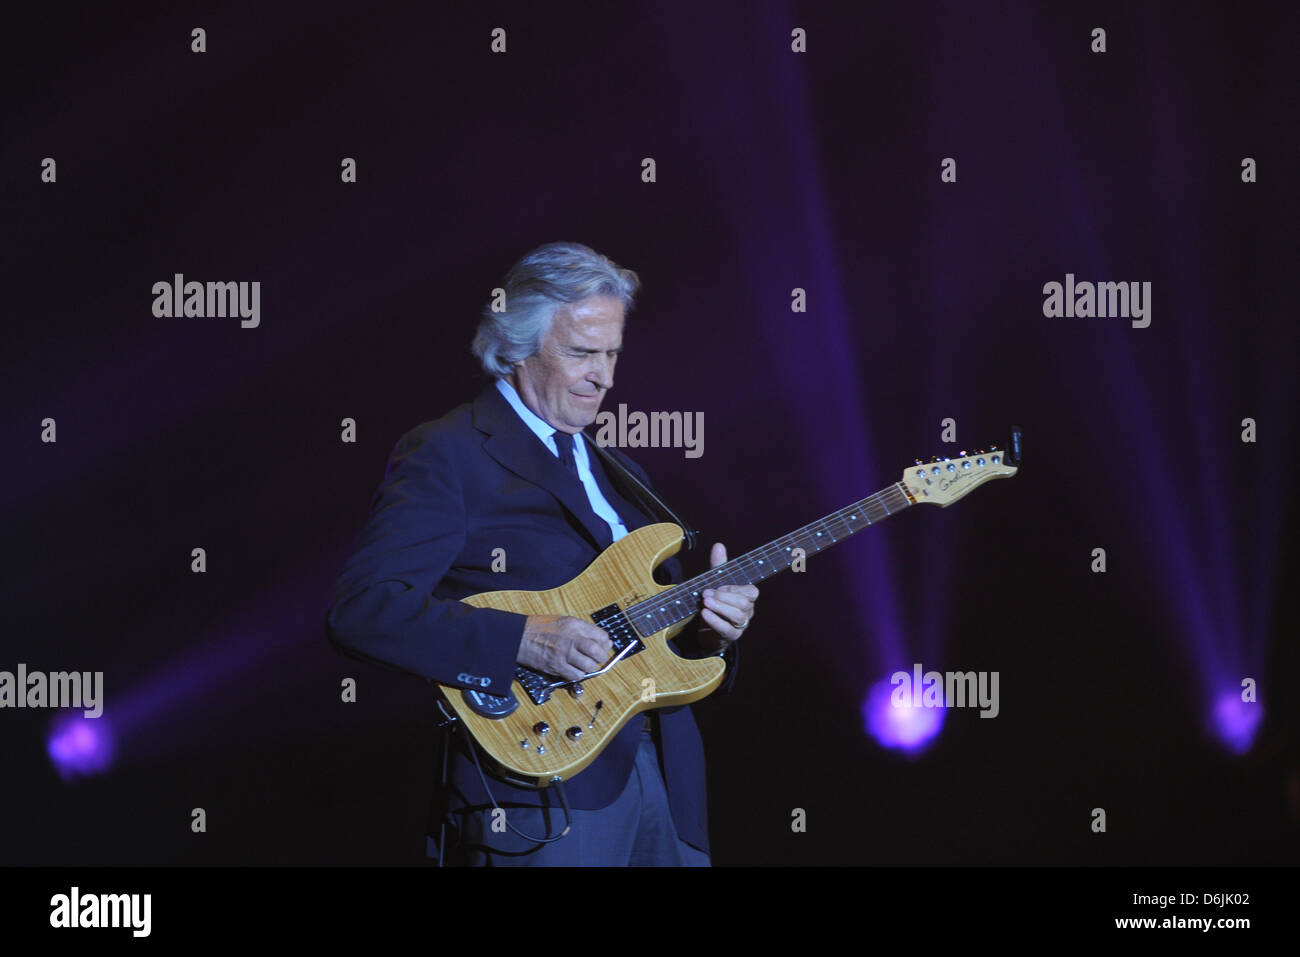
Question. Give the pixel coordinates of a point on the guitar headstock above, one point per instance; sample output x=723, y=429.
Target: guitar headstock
x=943, y=481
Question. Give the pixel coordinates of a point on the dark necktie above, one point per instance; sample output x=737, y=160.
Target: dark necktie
x=631, y=516
x=564, y=442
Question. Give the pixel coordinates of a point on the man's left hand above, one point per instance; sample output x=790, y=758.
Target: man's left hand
x=727, y=609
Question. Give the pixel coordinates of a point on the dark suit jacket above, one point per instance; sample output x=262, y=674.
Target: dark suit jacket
x=454, y=490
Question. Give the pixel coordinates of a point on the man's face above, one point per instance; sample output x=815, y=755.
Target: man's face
x=567, y=379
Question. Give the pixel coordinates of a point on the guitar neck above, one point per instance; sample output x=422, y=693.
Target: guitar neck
x=681, y=601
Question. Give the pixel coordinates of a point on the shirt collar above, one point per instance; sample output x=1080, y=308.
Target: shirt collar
x=539, y=426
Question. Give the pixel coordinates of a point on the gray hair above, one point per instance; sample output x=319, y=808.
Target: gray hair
x=536, y=287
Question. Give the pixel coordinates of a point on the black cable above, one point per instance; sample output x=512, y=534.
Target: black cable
x=559, y=785
x=449, y=726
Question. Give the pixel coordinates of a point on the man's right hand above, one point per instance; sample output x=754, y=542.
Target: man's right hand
x=563, y=646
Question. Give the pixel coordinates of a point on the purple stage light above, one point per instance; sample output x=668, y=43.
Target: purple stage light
x=903, y=727
x=169, y=707
x=79, y=745
x=1235, y=721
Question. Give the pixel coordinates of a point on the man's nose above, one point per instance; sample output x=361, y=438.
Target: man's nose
x=603, y=374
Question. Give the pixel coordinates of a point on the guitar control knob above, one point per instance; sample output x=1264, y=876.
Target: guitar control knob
x=576, y=690
x=542, y=728
x=574, y=733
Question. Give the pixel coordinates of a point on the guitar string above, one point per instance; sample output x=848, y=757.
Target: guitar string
x=895, y=494
x=659, y=610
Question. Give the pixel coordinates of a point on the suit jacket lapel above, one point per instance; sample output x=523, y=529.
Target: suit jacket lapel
x=633, y=515
x=516, y=447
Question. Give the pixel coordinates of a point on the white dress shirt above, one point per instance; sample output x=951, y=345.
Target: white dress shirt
x=545, y=433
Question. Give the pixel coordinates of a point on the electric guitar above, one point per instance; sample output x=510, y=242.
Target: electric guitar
x=548, y=729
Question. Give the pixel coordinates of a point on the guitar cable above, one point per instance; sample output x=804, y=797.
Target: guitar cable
x=558, y=785
x=473, y=753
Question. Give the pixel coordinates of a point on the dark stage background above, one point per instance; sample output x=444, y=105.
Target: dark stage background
x=775, y=170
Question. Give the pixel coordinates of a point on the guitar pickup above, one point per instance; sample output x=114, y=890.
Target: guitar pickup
x=619, y=629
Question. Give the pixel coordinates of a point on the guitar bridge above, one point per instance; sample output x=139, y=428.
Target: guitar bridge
x=537, y=685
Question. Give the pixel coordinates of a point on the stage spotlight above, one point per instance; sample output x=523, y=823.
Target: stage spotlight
x=79, y=745
x=1235, y=721
x=902, y=727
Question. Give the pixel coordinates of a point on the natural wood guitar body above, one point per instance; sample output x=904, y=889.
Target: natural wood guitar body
x=618, y=592
x=655, y=677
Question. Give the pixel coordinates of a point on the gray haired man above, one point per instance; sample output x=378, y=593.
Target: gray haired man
x=513, y=471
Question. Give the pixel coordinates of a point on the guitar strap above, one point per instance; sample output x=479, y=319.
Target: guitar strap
x=632, y=488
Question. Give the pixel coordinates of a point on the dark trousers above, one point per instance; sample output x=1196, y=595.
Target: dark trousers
x=635, y=831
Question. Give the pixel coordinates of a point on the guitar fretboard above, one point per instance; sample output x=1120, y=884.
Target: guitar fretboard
x=681, y=601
